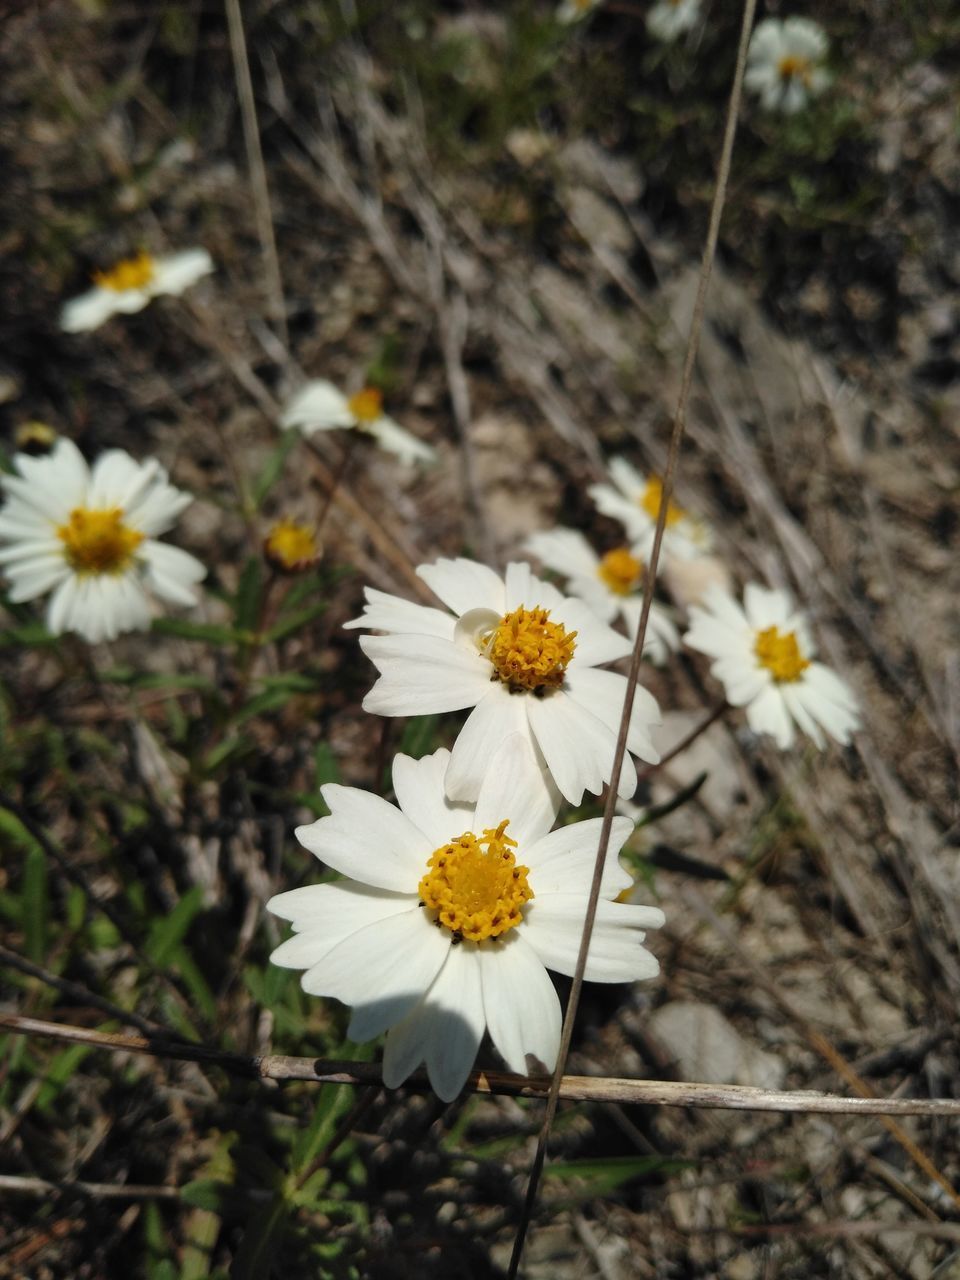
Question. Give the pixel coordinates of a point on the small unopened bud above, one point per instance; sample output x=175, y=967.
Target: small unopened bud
x=36, y=438
x=292, y=547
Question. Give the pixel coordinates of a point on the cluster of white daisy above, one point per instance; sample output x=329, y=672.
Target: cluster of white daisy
x=784, y=62
x=455, y=901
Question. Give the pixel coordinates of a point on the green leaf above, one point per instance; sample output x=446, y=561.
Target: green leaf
x=246, y=605
x=59, y=1072
x=325, y=766
x=224, y=751
x=605, y=1175
x=30, y=636
x=208, y=632
x=419, y=736
x=155, y=680
x=169, y=931
x=273, y=468
x=257, y=1252
x=35, y=905
x=293, y=622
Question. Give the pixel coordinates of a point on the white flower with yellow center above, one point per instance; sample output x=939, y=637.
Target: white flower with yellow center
x=88, y=537
x=612, y=585
x=634, y=499
x=524, y=657
x=131, y=284
x=320, y=406
x=671, y=18
x=451, y=914
x=784, y=63
x=764, y=656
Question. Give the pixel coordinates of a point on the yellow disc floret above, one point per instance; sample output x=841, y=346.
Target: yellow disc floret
x=780, y=654
x=292, y=547
x=620, y=571
x=794, y=67
x=528, y=651
x=652, y=497
x=367, y=405
x=475, y=886
x=131, y=273
x=98, y=541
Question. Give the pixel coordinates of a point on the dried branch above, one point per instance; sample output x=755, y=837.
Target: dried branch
x=659, y=1093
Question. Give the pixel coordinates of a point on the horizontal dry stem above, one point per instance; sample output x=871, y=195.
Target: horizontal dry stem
x=659, y=1093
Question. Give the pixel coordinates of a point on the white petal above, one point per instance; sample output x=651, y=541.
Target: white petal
x=498, y=713
x=444, y=1031
x=596, y=643
x=367, y=839
x=768, y=714
x=89, y=311
x=602, y=694
x=577, y=747
x=60, y=607
x=522, y=588
x=383, y=612
x=154, y=509
x=420, y=675
x=553, y=927
x=418, y=785
x=178, y=271
x=610, y=503
x=515, y=787
x=404, y=444
x=563, y=861
x=520, y=1003
x=318, y=406
x=116, y=479
x=36, y=577
x=324, y=914
x=766, y=607
x=172, y=573
x=793, y=699
x=464, y=584
x=384, y=968
x=565, y=551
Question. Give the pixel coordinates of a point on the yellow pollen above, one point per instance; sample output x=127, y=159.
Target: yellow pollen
x=793, y=66
x=651, y=498
x=620, y=571
x=292, y=547
x=131, y=273
x=476, y=891
x=780, y=654
x=366, y=405
x=528, y=651
x=98, y=541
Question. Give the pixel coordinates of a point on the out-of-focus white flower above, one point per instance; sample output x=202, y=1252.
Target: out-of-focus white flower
x=671, y=18
x=88, y=537
x=574, y=10
x=764, y=655
x=784, y=63
x=524, y=657
x=688, y=581
x=451, y=914
x=612, y=585
x=320, y=406
x=131, y=284
x=634, y=499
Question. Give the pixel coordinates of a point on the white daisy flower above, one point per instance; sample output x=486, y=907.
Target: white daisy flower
x=612, y=585
x=131, y=284
x=320, y=406
x=451, y=914
x=634, y=499
x=671, y=18
x=784, y=63
x=764, y=656
x=88, y=537
x=573, y=10
x=524, y=657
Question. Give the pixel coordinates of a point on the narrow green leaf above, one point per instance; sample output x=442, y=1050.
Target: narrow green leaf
x=168, y=932
x=208, y=632
x=293, y=622
x=257, y=1250
x=273, y=468
x=246, y=606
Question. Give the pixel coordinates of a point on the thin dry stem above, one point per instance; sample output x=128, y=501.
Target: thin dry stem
x=662, y=1093
x=679, y=422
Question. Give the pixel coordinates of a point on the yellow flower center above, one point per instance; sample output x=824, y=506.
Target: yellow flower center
x=780, y=654
x=367, y=405
x=475, y=886
x=620, y=571
x=292, y=547
x=528, y=651
x=652, y=497
x=131, y=273
x=98, y=541
x=794, y=67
